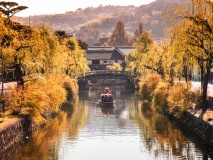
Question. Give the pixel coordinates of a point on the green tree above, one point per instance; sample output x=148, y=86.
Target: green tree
x=119, y=36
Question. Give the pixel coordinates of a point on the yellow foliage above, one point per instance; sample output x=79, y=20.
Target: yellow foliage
x=71, y=87
x=40, y=96
x=160, y=95
x=115, y=67
x=14, y=100
x=181, y=98
x=148, y=85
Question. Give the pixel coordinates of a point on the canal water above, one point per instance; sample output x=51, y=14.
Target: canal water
x=128, y=131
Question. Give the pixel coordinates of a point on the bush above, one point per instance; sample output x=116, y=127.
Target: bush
x=14, y=100
x=41, y=96
x=181, y=98
x=148, y=85
x=115, y=67
x=71, y=87
x=160, y=95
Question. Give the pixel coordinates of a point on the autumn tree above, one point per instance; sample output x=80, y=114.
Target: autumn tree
x=138, y=32
x=144, y=45
x=15, y=30
x=197, y=33
x=76, y=63
x=119, y=36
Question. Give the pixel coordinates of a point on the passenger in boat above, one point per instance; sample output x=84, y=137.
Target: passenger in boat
x=107, y=97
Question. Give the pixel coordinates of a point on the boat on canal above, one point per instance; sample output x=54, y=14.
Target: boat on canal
x=106, y=104
x=106, y=101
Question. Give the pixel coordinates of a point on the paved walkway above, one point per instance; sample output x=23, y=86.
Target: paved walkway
x=210, y=88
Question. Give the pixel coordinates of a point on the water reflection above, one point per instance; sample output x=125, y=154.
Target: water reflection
x=45, y=143
x=163, y=138
x=129, y=130
x=107, y=110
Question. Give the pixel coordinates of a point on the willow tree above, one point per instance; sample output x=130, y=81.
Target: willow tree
x=144, y=45
x=119, y=36
x=197, y=35
x=8, y=9
x=76, y=63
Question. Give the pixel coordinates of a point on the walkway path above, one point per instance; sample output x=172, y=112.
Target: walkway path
x=210, y=88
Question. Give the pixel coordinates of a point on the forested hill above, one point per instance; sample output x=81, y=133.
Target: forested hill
x=91, y=23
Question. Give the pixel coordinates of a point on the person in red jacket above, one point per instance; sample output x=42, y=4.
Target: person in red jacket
x=107, y=97
x=107, y=91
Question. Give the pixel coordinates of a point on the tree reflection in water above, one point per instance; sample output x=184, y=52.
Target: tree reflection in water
x=132, y=126
x=46, y=141
x=163, y=137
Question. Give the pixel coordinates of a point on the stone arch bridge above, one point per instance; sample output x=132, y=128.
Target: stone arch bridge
x=105, y=74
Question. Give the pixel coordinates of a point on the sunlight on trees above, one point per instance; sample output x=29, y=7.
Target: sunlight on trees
x=43, y=61
x=191, y=32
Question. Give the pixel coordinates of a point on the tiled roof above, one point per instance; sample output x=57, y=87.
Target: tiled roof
x=108, y=52
x=100, y=48
x=99, y=56
x=126, y=50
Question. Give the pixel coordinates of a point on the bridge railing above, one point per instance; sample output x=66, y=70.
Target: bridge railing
x=101, y=72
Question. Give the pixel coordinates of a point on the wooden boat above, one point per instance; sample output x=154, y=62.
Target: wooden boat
x=104, y=103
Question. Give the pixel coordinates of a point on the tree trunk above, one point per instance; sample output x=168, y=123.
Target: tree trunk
x=205, y=89
x=186, y=73
x=201, y=76
x=19, y=75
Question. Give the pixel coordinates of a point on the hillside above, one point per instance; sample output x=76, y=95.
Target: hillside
x=91, y=24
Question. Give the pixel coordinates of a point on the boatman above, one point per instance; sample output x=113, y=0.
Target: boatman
x=107, y=97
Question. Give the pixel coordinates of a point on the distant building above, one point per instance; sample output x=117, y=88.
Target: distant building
x=99, y=57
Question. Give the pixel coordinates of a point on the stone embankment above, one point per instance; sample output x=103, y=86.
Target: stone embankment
x=194, y=120
x=198, y=121
x=12, y=134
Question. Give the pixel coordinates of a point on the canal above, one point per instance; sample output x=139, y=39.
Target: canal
x=129, y=131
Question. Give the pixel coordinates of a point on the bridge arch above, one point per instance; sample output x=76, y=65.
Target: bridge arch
x=105, y=74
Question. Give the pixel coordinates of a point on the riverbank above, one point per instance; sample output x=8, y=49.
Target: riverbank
x=198, y=121
x=13, y=129
x=28, y=118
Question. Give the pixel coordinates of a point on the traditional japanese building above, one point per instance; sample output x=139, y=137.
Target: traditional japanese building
x=99, y=57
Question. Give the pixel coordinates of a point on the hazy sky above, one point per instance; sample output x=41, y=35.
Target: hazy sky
x=37, y=7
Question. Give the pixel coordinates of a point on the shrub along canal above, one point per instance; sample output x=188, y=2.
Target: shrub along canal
x=130, y=130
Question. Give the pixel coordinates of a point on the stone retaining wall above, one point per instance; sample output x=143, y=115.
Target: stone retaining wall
x=14, y=133
x=200, y=127
x=11, y=134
